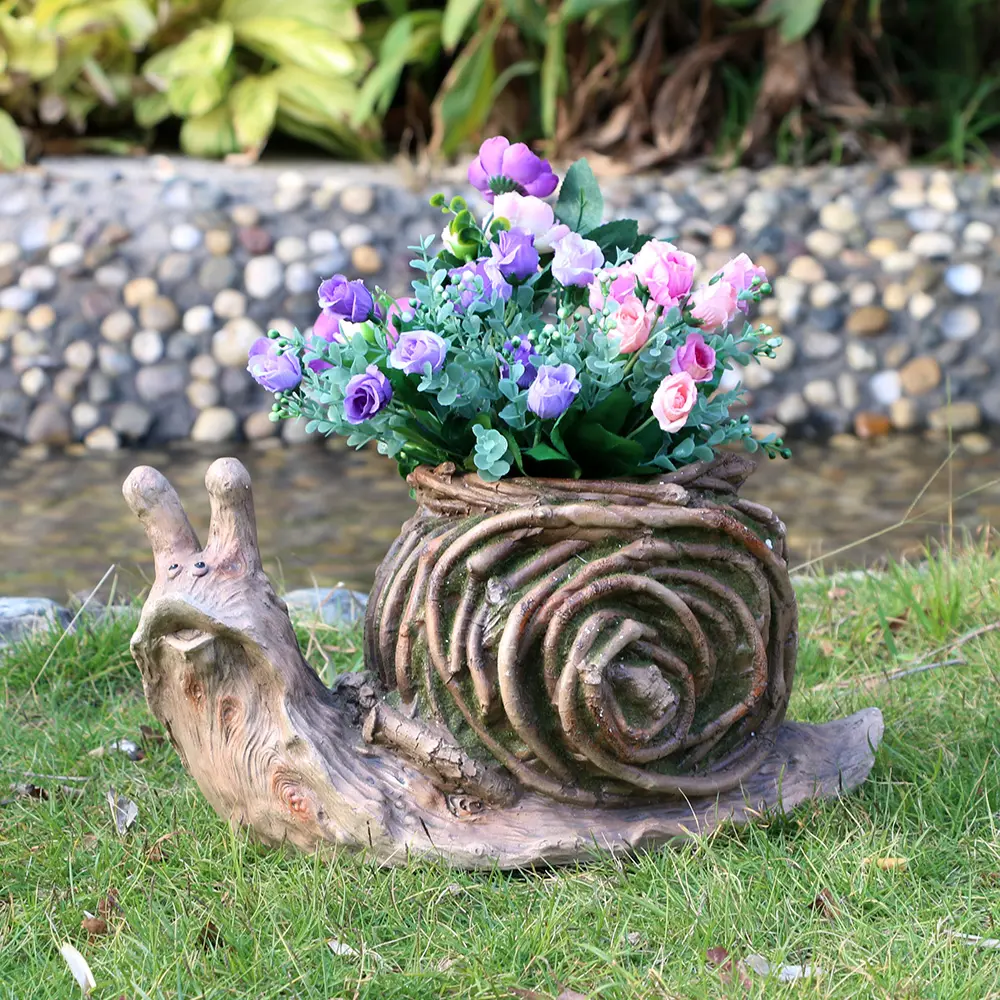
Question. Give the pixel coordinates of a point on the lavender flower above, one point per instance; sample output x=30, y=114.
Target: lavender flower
x=494, y=284
x=523, y=355
x=275, y=372
x=327, y=327
x=349, y=299
x=553, y=391
x=501, y=167
x=576, y=260
x=515, y=255
x=695, y=357
x=416, y=349
x=366, y=394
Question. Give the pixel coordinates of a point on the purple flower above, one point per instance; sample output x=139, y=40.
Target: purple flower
x=523, y=355
x=275, y=372
x=501, y=167
x=494, y=284
x=349, y=299
x=416, y=349
x=327, y=327
x=553, y=391
x=366, y=394
x=515, y=255
x=576, y=260
x=695, y=357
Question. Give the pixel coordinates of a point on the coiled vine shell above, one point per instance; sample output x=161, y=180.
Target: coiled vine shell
x=600, y=643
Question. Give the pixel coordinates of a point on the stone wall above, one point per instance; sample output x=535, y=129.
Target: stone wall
x=130, y=290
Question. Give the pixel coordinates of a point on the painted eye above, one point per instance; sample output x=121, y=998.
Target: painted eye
x=172, y=567
x=199, y=565
x=199, y=568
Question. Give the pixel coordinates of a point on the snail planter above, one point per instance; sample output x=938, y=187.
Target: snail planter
x=555, y=669
x=584, y=640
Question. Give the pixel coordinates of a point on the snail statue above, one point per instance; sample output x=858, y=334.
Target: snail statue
x=554, y=668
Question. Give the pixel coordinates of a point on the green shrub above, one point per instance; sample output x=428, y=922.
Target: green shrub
x=232, y=72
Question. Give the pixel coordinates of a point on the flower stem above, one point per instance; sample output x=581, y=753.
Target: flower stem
x=641, y=426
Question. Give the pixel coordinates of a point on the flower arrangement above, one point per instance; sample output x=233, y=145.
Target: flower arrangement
x=536, y=340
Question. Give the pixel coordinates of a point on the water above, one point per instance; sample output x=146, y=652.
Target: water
x=326, y=516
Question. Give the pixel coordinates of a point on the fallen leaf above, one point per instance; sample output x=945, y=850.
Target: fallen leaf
x=571, y=995
x=444, y=964
x=897, y=622
x=109, y=903
x=210, y=936
x=94, y=926
x=836, y=593
x=783, y=973
x=124, y=811
x=758, y=964
x=151, y=735
x=827, y=647
x=341, y=948
x=634, y=938
x=719, y=958
x=886, y=864
x=527, y=994
x=826, y=904
x=26, y=790
x=78, y=966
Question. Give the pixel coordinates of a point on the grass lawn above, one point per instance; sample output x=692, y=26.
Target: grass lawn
x=867, y=889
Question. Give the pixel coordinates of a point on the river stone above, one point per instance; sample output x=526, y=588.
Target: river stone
x=20, y=617
x=160, y=381
x=218, y=242
x=868, y=321
x=355, y=235
x=806, y=269
x=819, y=345
x=975, y=443
x=932, y=245
x=964, y=279
x=175, y=267
x=357, y=200
x=920, y=375
x=263, y=276
x=217, y=273
x=824, y=244
x=824, y=294
x=847, y=389
x=229, y=304
x=79, y=354
x=159, y=313
x=48, y=424
x=259, y=425
x=38, y=278
x=138, y=291
x=201, y=395
x=959, y=416
x=17, y=299
x=111, y=275
x=182, y=346
x=960, y=322
x=300, y=278
x=289, y=249
x=231, y=345
x=41, y=318
x=215, y=425
x=99, y=386
x=185, y=237
x=322, y=241
x=921, y=306
x=101, y=439
x=336, y=606
x=941, y=197
x=66, y=384
x=198, y=320
x=839, y=216
x=85, y=417
x=147, y=347
x=245, y=215
x=33, y=382
x=793, y=409
x=65, y=255
x=870, y=425
x=904, y=414
x=204, y=367
x=117, y=326
x=821, y=393
x=863, y=294
x=861, y=357
x=885, y=387
x=9, y=253
x=254, y=240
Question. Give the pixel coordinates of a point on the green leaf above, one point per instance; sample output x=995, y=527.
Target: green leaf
x=30, y=50
x=209, y=135
x=253, y=103
x=581, y=204
x=464, y=99
x=795, y=18
x=553, y=70
x=573, y=10
x=613, y=236
x=314, y=99
x=457, y=15
x=606, y=454
x=203, y=52
x=612, y=411
x=191, y=96
x=319, y=50
x=150, y=109
x=515, y=450
x=542, y=452
x=11, y=143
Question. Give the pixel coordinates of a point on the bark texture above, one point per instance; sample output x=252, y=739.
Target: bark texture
x=559, y=668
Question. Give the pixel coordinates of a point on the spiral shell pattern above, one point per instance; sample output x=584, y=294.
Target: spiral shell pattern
x=604, y=642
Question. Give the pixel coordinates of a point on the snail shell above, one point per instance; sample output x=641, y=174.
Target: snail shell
x=604, y=642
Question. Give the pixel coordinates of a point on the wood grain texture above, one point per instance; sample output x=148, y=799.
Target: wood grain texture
x=276, y=751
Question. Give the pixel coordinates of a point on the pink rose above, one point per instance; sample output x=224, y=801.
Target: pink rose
x=740, y=273
x=715, y=305
x=673, y=401
x=622, y=285
x=401, y=309
x=631, y=326
x=695, y=357
x=666, y=271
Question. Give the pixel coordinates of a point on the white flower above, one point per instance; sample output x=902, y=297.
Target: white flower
x=524, y=211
